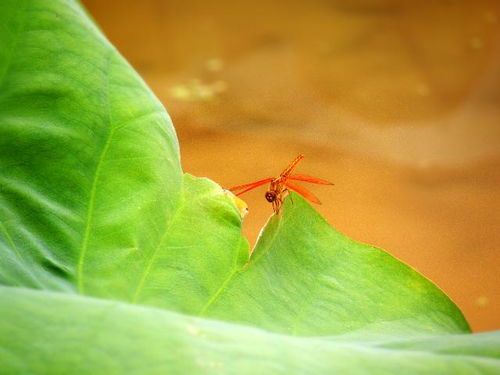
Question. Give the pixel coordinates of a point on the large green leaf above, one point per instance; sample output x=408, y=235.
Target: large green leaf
x=97, y=336
x=319, y=282
x=112, y=260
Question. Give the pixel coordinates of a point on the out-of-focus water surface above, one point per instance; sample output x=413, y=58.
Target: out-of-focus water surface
x=397, y=102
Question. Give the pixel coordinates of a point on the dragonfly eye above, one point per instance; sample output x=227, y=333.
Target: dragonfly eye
x=270, y=196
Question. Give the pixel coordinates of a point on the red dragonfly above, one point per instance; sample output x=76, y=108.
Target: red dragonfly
x=279, y=186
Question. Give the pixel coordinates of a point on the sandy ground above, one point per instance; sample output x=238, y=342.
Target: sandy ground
x=397, y=103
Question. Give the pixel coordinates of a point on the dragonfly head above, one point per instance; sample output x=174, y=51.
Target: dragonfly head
x=270, y=196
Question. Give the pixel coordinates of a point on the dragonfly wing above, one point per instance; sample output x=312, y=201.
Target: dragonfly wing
x=302, y=191
x=250, y=186
x=311, y=179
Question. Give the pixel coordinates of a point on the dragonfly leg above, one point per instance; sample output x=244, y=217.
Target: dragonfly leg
x=277, y=205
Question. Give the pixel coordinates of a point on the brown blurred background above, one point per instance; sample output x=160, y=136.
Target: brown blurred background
x=397, y=102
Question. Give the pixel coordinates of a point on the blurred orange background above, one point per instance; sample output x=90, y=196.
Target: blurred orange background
x=396, y=102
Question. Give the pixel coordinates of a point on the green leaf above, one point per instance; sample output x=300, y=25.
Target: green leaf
x=113, y=261
x=90, y=164
x=85, y=335
x=320, y=282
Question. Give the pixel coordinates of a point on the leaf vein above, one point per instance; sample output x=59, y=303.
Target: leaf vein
x=93, y=190
x=149, y=266
x=20, y=258
x=225, y=283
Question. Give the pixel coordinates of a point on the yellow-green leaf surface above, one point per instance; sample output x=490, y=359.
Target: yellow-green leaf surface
x=113, y=261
